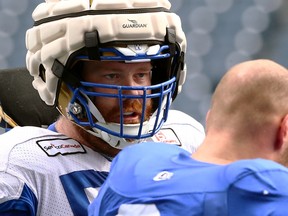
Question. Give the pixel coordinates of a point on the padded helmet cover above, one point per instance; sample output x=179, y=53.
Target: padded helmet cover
x=60, y=26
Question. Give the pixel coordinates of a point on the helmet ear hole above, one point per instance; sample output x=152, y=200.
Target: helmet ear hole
x=76, y=70
x=160, y=74
x=160, y=71
x=42, y=73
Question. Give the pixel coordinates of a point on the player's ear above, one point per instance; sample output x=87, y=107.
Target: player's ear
x=207, y=120
x=282, y=136
x=207, y=115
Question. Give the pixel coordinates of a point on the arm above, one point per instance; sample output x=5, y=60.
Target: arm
x=15, y=213
x=16, y=198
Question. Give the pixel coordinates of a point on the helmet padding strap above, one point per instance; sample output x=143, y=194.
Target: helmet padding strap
x=92, y=45
x=171, y=40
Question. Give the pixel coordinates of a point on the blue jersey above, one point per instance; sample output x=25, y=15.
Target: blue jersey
x=158, y=179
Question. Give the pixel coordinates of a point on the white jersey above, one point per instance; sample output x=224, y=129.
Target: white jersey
x=182, y=130
x=46, y=173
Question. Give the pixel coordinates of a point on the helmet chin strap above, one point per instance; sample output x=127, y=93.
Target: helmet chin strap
x=114, y=141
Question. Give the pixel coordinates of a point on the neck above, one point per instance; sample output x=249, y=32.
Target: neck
x=224, y=149
x=70, y=129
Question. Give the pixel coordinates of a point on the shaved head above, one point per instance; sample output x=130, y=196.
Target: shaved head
x=251, y=95
x=248, y=117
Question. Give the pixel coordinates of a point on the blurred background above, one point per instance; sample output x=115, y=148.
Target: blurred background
x=220, y=33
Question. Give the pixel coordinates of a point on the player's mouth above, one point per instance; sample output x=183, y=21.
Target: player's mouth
x=131, y=117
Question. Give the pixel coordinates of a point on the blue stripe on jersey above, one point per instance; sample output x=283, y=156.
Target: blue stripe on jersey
x=76, y=183
x=52, y=127
x=27, y=203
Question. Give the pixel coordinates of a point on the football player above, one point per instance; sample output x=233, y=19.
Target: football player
x=238, y=170
x=112, y=68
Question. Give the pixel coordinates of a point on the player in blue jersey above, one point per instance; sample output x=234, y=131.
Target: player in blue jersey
x=238, y=170
x=112, y=68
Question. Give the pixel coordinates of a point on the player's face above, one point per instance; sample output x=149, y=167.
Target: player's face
x=122, y=74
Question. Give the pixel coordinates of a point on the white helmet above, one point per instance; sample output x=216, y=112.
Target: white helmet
x=66, y=31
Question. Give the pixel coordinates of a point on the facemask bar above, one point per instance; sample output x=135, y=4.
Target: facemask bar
x=127, y=55
x=162, y=92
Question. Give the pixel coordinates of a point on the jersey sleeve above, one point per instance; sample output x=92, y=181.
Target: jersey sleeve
x=16, y=198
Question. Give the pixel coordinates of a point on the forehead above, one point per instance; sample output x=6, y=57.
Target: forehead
x=96, y=65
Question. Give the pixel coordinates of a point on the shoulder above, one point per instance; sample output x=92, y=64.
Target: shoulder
x=254, y=168
x=179, y=117
x=149, y=150
x=256, y=171
x=146, y=153
x=254, y=184
x=32, y=145
x=156, y=169
x=18, y=136
x=48, y=166
x=142, y=165
x=21, y=134
x=133, y=175
x=181, y=129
